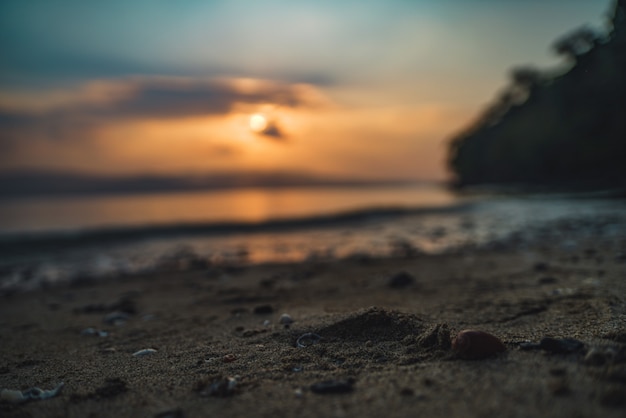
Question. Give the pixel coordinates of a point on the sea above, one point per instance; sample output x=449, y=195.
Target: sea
x=48, y=240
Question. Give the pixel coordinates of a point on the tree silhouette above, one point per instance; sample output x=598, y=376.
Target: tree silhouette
x=565, y=129
x=576, y=43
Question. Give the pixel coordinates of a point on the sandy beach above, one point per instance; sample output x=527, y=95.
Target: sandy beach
x=361, y=337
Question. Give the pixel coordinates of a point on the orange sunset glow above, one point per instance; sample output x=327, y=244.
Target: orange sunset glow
x=371, y=92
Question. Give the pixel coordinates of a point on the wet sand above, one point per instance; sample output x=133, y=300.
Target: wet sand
x=379, y=342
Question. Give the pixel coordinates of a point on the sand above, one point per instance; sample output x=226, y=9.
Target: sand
x=379, y=343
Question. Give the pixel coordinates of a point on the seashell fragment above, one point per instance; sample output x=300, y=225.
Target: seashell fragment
x=144, y=352
x=305, y=340
x=472, y=345
x=94, y=332
x=13, y=396
x=34, y=393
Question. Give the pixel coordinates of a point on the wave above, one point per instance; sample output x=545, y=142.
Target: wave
x=12, y=243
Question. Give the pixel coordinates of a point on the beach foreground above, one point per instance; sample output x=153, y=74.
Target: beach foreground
x=381, y=338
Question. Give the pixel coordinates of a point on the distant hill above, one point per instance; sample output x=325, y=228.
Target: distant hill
x=37, y=183
x=558, y=130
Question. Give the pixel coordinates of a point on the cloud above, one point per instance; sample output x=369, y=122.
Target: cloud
x=57, y=115
x=272, y=131
x=166, y=97
x=146, y=122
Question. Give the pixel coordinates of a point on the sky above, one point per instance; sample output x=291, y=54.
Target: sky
x=366, y=89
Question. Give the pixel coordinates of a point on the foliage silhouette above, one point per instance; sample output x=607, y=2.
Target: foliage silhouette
x=563, y=129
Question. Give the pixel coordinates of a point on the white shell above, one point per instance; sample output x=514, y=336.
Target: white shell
x=144, y=352
x=18, y=396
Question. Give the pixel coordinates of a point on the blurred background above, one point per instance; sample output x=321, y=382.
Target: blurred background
x=124, y=125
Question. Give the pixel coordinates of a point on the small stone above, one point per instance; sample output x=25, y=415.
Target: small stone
x=285, y=319
x=547, y=280
x=333, y=386
x=229, y=358
x=252, y=332
x=401, y=280
x=92, y=332
x=475, y=345
x=223, y=387
x=561, y=345
x=527, y=346
x=110, y=389
x=263, y=309
x=116, y=318
x=558, y=371
x=407, y=392
x=173, y=413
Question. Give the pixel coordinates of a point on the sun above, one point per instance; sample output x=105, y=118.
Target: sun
x=258, y=122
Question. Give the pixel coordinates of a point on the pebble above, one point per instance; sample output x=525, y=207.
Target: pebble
x=401, y=280
x=144, y=352
x=561, y=345
x=173, y=413
x=229, y=358
x=92, y=332
x=407, y=392
x=554, y=345
x=286, y=319
x=116, y=318
x=474, y=345
x=263, y=309
x=547, y=280
x=223, y=387
x=333, y=386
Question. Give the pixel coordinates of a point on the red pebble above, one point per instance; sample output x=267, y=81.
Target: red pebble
x=473, y=345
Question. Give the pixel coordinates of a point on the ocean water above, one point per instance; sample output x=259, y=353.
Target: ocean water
x=53, y=240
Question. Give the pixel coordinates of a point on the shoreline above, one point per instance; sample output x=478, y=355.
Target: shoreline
x=27, y=265
x=221, y=349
